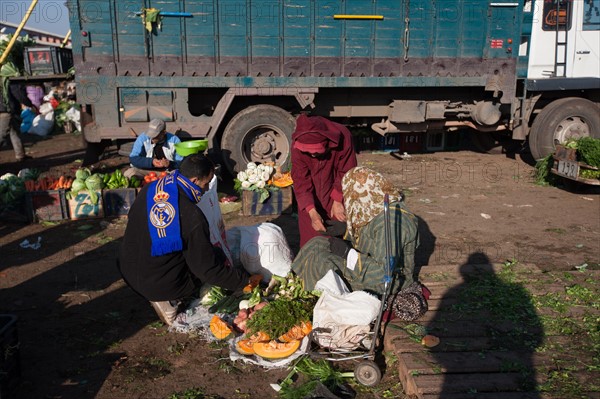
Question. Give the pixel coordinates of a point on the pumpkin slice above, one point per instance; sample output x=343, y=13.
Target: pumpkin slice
x=275, y=350
x=283, y=180
x=297, y=332
x=219, y=328
x=260, y=337
x=245, y=347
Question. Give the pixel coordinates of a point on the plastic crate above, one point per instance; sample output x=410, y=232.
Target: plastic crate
x=367, y=142
x=453, y=141
x=47, y=205
x=410, y=142
x=435, y=141
x=118, y=201
x=10, y=363
x=279, y=202
x=48, y=60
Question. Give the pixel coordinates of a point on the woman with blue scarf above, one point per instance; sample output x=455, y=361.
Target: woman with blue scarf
x=166, y=252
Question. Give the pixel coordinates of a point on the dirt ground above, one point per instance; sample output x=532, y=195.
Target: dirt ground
x=85, y=334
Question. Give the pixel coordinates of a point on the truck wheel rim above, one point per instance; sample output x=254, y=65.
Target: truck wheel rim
x=265, y=144
x=572, y=127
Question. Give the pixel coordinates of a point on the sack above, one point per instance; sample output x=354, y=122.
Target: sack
x=261, y=249
x=342, y=321
x=209, y=204
x=42, y=125
x=409, y=304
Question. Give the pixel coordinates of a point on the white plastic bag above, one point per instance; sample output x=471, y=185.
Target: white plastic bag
x=343, y=321
x=74, y=116
x=209, y=204
x=46, y=108
x=332, y=283
x=261, y=249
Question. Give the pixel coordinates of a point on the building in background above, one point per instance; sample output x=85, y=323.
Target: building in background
x=41, y=37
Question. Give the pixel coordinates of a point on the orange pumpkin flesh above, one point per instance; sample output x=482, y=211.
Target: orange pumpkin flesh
x=284, y=180
x=297, y=332
x=245, y=347
x=219, y=328
x=275, y=350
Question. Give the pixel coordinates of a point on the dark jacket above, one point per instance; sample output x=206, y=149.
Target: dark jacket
x=174, y=276
x=17, y=95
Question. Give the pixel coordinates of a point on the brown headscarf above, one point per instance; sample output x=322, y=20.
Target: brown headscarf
x=364, y=190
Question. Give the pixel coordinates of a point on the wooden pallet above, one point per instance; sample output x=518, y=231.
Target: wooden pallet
x=478, y=356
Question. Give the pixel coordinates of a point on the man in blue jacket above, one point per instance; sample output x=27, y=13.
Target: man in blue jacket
x=153, y=150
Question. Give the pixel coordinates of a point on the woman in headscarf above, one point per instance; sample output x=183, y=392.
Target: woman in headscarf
x=322, y=153
x=360, y=258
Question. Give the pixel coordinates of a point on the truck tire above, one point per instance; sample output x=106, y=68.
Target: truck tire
x=260, y=133
x=560, y=120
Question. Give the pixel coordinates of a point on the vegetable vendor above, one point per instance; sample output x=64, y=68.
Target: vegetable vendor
x=360, y=258
x=10, y=116
x=166, y=253
x=153, y=150
x=322, y=153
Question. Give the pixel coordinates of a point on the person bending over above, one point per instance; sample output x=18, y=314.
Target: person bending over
x=166, y=253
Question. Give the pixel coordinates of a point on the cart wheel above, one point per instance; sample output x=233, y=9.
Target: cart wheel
x=367, y=373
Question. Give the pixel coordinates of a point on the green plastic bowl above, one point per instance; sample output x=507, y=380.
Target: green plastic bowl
x=187, y=148
x=203, y=143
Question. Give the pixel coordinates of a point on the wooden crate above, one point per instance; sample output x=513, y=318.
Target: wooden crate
x=278, y=202
x=81, y=206
x=46, y=205
x=118, y=201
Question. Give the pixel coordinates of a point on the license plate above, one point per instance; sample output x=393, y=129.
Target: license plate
x=568, y=169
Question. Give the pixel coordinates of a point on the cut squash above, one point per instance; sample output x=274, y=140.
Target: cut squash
x=275, y=350
x=245, y=347
x=297, y=332
x=219, y=328
x=260, y=337
x=283, y=180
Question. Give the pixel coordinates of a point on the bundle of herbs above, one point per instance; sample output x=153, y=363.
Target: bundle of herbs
x=588, y=151
x=281, y=315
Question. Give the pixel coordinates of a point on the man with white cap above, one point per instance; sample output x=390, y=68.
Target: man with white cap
x=153, y=150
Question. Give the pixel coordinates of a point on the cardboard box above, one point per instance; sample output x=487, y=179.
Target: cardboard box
x=81, y=206
x=10, y=365
x=117, y=202
x=279, y=202
x=48, y=205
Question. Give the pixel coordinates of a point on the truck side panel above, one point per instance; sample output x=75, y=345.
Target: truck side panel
x=300, y=38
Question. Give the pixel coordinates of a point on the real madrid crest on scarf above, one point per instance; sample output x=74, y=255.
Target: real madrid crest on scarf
x=163, y=212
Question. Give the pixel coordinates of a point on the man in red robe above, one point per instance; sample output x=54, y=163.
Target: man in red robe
x=322, y=153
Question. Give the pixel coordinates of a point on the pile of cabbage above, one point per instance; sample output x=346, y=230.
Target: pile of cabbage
x=255, y=178
x=85, y=180
x=12, y=191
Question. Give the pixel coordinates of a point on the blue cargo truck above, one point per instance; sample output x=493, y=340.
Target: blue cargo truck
x=237, y=72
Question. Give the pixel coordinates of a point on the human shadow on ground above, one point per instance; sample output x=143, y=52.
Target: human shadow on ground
x=69, y=318
x=489, y=331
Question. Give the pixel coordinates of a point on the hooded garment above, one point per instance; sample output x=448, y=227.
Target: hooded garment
x=318, y=181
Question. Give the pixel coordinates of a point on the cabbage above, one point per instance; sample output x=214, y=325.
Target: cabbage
x=94, y=183
x=12, y=190
x=77, y=186
x=83, y=173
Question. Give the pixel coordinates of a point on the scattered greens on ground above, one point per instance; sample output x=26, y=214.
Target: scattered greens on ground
x=543, y=176
x=314, y=371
